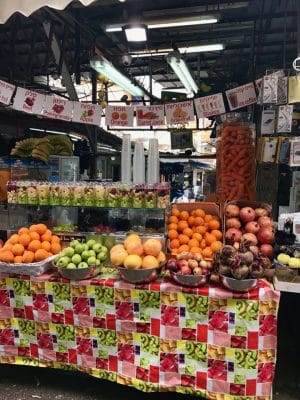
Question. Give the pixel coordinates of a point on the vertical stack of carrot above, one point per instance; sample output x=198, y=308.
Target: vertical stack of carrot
x=236, y=163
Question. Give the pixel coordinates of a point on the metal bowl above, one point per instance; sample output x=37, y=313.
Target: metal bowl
x=190, y=280
x=79, y=274
x=139, y=275
x=237, y=285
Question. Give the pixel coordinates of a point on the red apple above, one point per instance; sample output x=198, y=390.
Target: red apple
x=252, y=227
x=233, y=223
x=265, y=222
x=265, y=235
x=250, y=237
x=185, y=270
x=233, y=234
x=232, y=211
x=266, y=249
x=261, y=212
x=247, y=214
x=182, y=264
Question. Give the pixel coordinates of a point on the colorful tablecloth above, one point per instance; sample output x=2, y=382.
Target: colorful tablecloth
x=157, y=337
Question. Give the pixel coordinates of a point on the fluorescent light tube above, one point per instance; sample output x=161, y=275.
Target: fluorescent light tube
x=135, y=33
x=103, y=66
x=181, y=70
x=187, y=50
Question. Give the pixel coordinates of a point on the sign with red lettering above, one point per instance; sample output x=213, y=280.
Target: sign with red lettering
x=241, y=96
x=179, y=113
x=6, y=92
x=119, y=116
x=210, y=105
x=150, y=115
x=58, y=108
x=86, y=113
x=29, y=101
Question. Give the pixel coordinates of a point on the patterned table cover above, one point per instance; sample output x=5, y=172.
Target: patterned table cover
x=157, y=337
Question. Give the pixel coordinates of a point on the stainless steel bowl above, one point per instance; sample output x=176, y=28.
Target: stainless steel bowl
x=191, y=280
x=79, y=273
x=237, y=285
x=139, y=275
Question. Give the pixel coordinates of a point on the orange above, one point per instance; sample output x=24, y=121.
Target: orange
x=188, y=232
x=184, y=215
x=182, y=225
x=18, y=259
x=41, y=229
x=7, y=256
x=55, y=239
x=200, y=229
x=7, y=246
x=34, y=235
x=18, y=249
x=191, y=221
x=183, y=247
x=203, y=244
x=207, y=252
x=199, y=213
x=172, y=226
x=175, y=212
x=196, y=250
x=172, y=234
x=209, y=238
x=213, y=224
x=183, y=239
x=217, y=234
x=24, y=239
x=174, y=252
x=208, y=218
x=28, y=257
x=34, y=245
x=193, y=243
x=197, y=236
x=174, y=244
x=47, y=236
x=198, y=221
x=23, y=230
x=193, y=213
x=41, y=255
x=216, y=246
x=55, y=248
x=173, y=220
x=32, y=228
x=14, y=239
x=46, y=245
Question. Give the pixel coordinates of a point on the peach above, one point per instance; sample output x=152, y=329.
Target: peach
x=132, y=238
x=116, y=247
x=118, y=256
x=152, y=247
x=135, y=248
x=149, y=262
x=133, y=262
x=161, y=258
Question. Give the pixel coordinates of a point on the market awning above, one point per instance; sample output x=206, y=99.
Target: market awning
x=27, y=7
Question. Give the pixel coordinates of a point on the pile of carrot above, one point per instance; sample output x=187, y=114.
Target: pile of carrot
x=236, y=163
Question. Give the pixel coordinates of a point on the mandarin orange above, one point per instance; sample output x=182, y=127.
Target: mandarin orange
x=34, y=245
x=174, y=244
x=183, y=239
x=18, y=249
x=24, y=239
x=188, y=232
x=184, y=215
x=182, y=225
x=28, y=257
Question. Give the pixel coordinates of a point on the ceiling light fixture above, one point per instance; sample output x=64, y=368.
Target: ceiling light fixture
x=170, y=24
x=135, y=32
x=183, y=50
x=103, y=66
x=180, y=68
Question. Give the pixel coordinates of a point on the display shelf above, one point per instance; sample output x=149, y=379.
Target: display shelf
x=37, y=206
x=287, y=286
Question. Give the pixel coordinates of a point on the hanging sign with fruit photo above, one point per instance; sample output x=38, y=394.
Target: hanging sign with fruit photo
x=179, y=113
x=150, y=115
x=87, y=113
x=119, y=116
x=29, y=101
x=58, y=108
x=6, y=92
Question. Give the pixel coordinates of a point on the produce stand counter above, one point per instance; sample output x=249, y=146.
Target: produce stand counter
x=208, y=341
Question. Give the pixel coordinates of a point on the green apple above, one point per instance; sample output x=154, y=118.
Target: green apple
x=85, y=255
x=74, y=243
x=91, y=261
x=76, y=259
x=78, y=248
x=63, y=262
x=97, y=247
x=69, y=252
x=283, y=258
x=71, y=266
x=82, y=265
x=102, y=256
x=98, y=262
x=91, y=243
x=92, y=253
x=85, y=247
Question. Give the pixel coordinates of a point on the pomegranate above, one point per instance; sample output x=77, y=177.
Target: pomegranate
x=261, y=212
x=233, y=234
x=265, y=235
x=250, y=237
x=247, y=214
x=233, y=223
x=252, y=227
x=232, y=211
x=254, y=250
x=266, y=250
x=265, y=222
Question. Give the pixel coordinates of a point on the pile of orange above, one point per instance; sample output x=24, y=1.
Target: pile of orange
x=196, y=232
x=32, y=244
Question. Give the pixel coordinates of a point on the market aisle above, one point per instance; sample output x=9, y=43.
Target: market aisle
x=24, y=383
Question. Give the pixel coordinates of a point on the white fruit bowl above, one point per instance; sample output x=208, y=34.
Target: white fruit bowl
x=139, y=275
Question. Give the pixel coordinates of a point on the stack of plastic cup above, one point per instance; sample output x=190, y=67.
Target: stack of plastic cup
x=153, y=162
x=139, y=163
x=126, y=159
